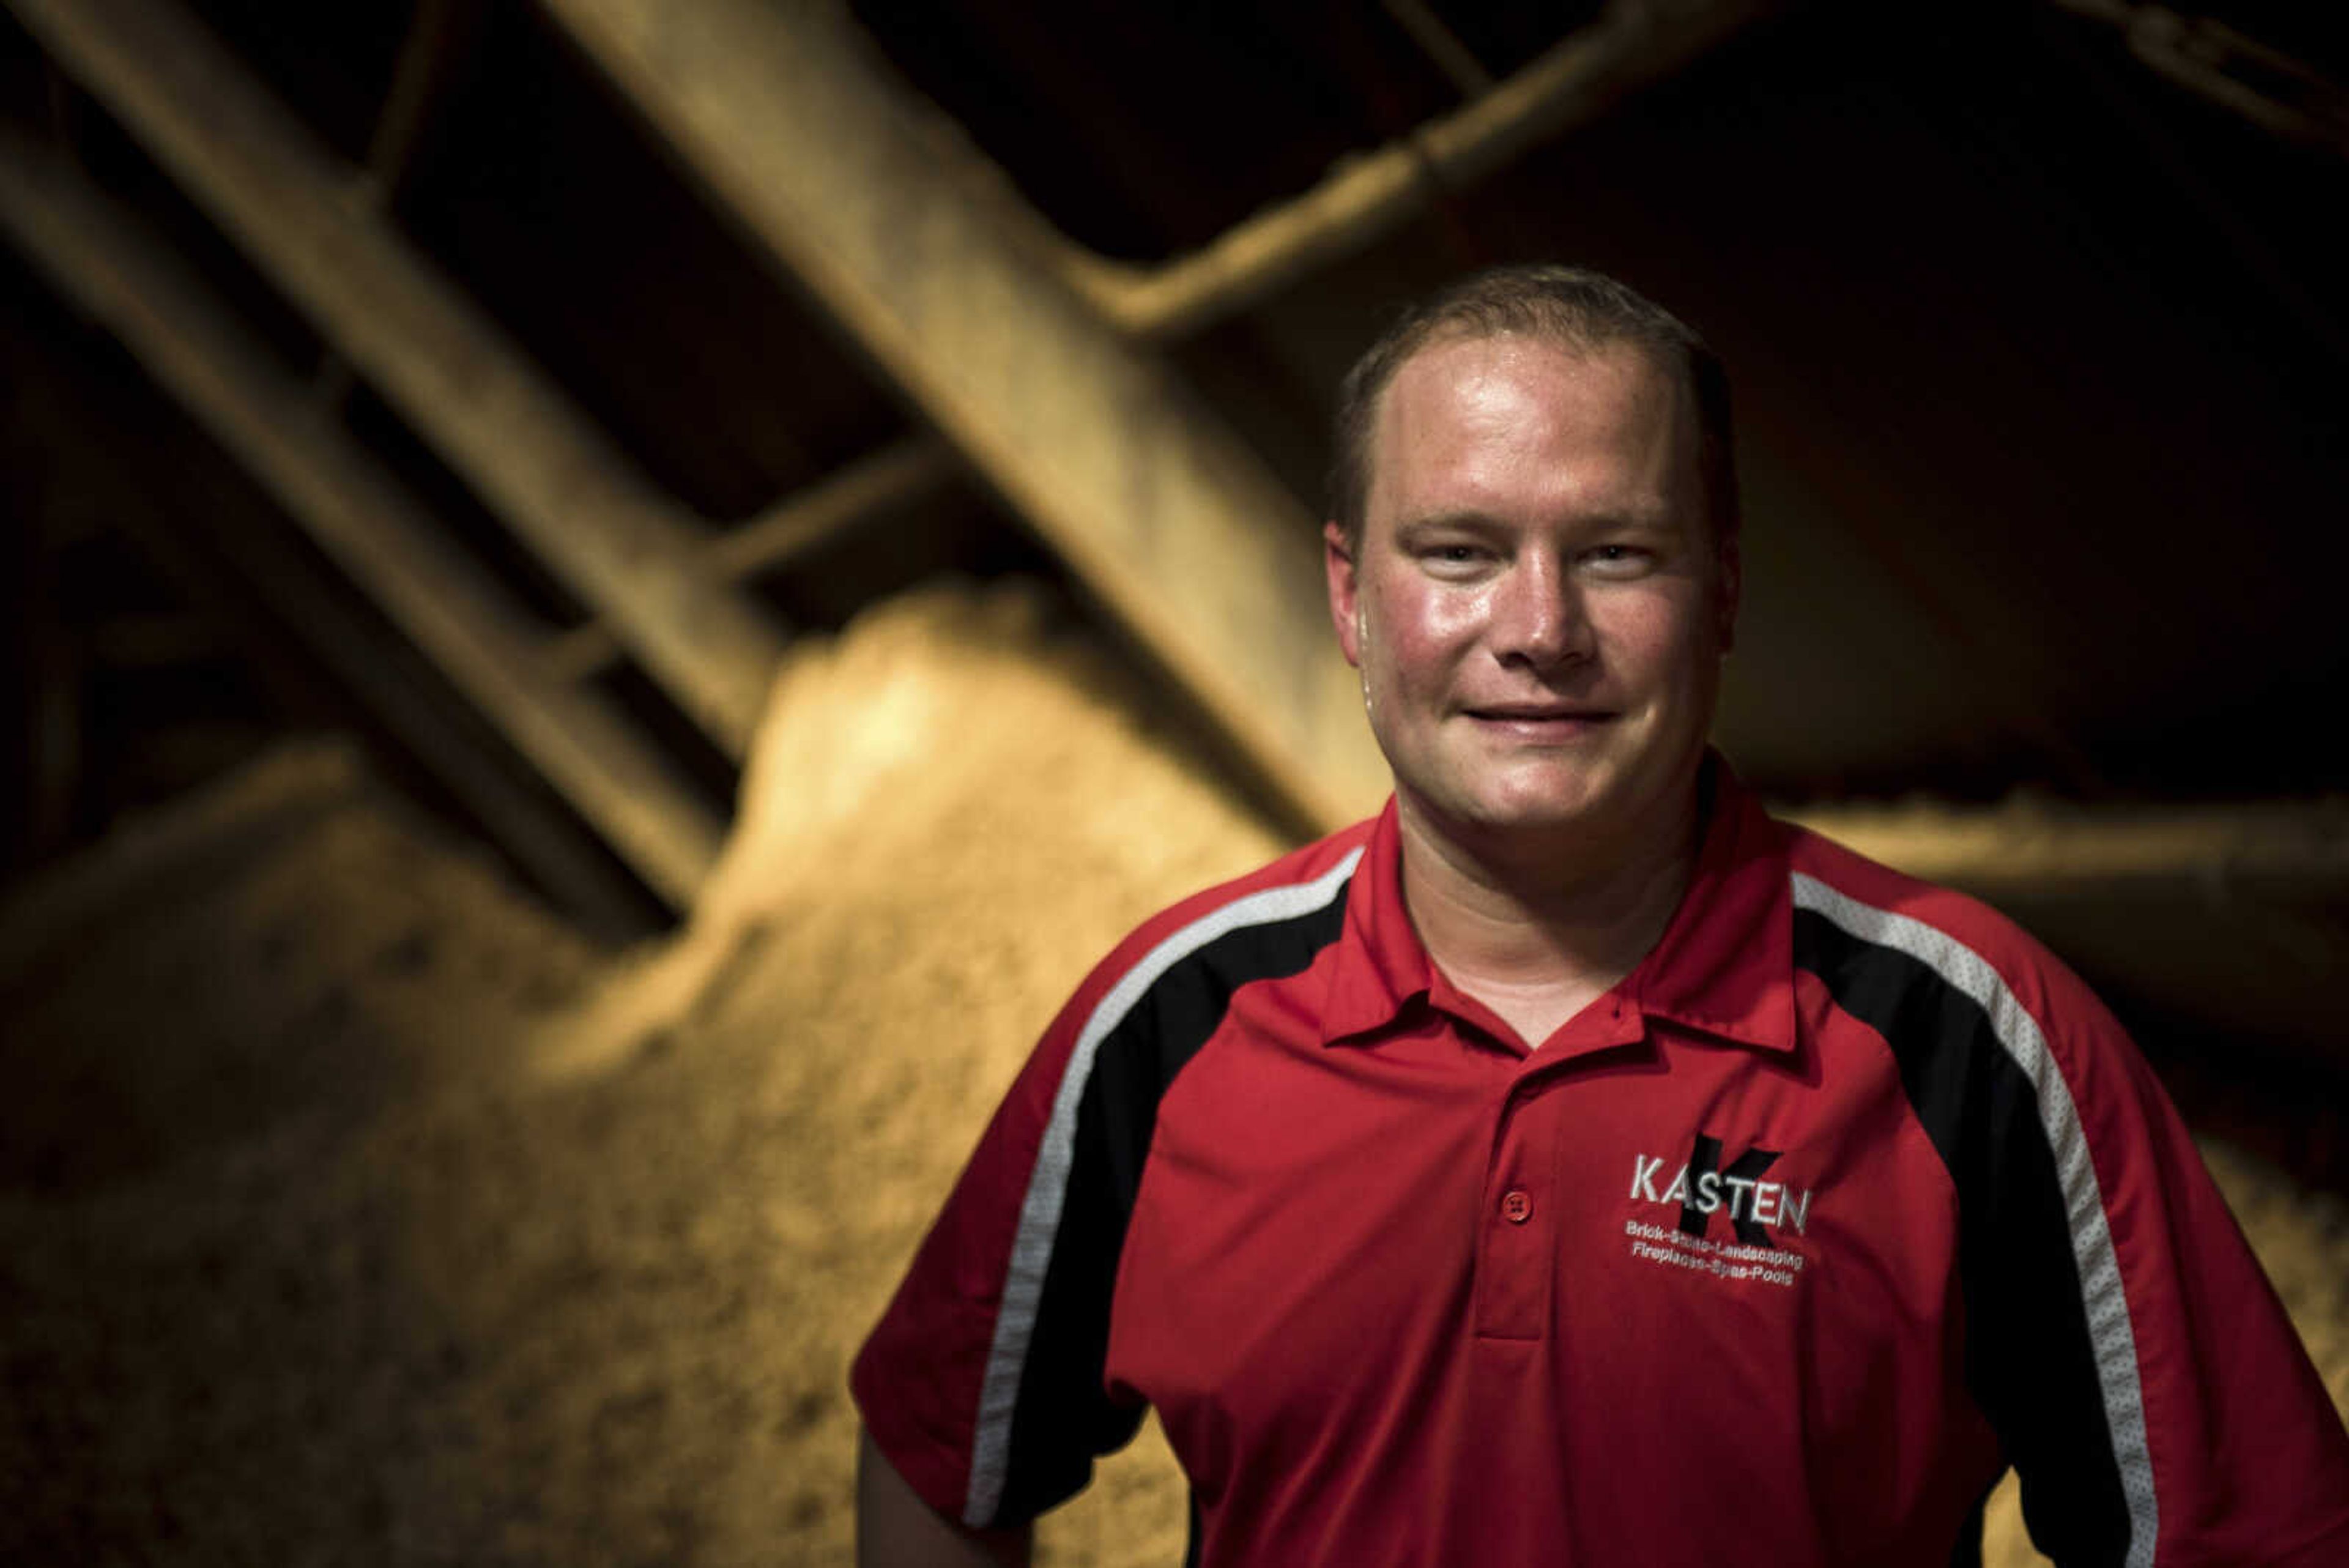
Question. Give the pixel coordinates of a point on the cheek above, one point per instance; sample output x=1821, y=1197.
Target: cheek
x=1410, y=645
x=1417, y=631
x=1657, y=639
x=1642, y=634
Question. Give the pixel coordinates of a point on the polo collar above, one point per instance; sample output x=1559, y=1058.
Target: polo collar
x=1723, y=967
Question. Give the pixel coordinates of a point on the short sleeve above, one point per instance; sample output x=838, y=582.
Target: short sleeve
x=2193, y=1429
x=982, y=1382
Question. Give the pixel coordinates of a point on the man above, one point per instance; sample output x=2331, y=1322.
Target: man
x=1573, y=1165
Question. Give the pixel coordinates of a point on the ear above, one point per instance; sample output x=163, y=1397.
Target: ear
x=1728, y=586
x=1345, y=586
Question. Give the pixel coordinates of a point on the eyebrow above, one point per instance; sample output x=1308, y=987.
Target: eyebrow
x=1449, y=522
x=1469, y=520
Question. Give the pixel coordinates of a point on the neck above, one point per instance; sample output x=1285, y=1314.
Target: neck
x=1537, y=931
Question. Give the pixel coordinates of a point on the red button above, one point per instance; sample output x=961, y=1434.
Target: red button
x=1516, y=1207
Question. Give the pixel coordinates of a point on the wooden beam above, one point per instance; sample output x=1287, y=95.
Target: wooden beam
x=253, y=579
x=882, y=211
x=1572, y=82
x=499, y=422
x=894, y=477
x=418, y=78
x=2287, y=850
x=1441, y=46
x=417, y=82
x=2226, y=916
x=446, y=603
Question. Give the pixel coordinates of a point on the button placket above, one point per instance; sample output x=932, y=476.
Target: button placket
x=1515, y=1265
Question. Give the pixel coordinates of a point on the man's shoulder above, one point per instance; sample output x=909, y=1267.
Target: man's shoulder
x=1954, y=936
x=1312, y=877
x=1304, y=888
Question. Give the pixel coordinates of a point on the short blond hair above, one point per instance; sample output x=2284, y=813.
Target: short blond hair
x=1573, y=306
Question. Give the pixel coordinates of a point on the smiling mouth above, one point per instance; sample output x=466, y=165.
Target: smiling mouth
x=1541, y=721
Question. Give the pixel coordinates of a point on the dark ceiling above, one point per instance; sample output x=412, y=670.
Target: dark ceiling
x=2039, y=356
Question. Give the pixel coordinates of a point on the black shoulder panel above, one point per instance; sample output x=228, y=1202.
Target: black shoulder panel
x=2028, y=1357
x=1063, y=1418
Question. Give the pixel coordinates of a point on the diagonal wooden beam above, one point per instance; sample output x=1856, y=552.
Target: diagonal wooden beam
x=499, y=422
x=419, y=79
x=1573, y=81
x=2225, y=914
x=899, y=475
x=435, y=593
x=892, y=478
x=886, y=215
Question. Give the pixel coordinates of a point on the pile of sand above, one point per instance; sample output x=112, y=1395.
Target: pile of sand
x=353, y=1210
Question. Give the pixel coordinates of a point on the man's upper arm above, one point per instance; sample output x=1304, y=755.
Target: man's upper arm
x=2226, y=1446
x=2118, y=1335
x=988, y=1434
x=985, y=1382
x=895, y=1529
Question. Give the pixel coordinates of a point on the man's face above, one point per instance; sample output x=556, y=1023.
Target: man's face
x=1536, y=605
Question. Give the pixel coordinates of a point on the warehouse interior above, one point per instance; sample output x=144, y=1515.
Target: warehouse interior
x=559, y=551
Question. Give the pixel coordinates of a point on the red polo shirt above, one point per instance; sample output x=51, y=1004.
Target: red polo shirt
x=1847, y=1197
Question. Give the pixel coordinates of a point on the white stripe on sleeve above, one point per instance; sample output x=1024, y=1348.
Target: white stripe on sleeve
x=2110, y=1334
x=1040, y=1212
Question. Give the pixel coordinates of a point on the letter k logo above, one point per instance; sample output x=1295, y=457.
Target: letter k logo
x=1706, y=1178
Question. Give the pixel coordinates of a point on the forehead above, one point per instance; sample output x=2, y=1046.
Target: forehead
x=1515, y=409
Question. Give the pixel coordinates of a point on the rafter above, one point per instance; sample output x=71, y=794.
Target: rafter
x=491, y=414
x=879, y=209
x=1575, y=80
x=448, y=606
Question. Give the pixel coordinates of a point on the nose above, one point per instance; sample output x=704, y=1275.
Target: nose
x=1538, y=616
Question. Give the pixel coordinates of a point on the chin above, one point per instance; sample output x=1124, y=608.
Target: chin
x=1533, y=806
x=1550, y=819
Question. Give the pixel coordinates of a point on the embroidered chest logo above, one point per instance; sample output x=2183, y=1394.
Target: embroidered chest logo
x=1762, y=1214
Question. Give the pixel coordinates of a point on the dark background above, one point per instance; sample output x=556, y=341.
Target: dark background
x=2039, y=357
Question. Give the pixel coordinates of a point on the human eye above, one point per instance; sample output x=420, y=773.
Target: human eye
x=1618, y=560
x=1453, y=557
